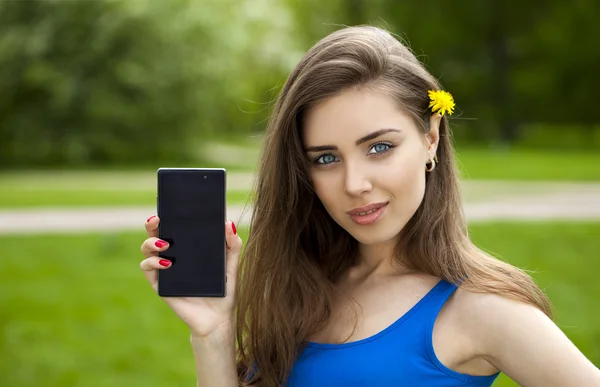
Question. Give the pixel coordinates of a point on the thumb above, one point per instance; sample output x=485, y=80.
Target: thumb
x=234, y=246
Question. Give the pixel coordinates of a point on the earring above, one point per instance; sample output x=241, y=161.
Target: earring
x=432, y=167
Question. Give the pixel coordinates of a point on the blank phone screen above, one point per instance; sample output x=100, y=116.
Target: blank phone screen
x=191, y=208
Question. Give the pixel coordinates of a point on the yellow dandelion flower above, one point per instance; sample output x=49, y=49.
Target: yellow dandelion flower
x=441, y=102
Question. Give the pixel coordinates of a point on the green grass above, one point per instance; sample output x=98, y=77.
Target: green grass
x=19, y=198
x=529, y=165
x=563, y=259
x=76, y=310
x=84, y=188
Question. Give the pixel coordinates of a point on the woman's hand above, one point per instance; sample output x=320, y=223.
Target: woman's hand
x=204, y=316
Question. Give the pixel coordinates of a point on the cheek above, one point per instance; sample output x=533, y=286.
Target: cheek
x=325, y=189
x=405, y=180
x=329, y=190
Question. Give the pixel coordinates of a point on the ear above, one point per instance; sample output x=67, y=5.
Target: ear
x=433, y=136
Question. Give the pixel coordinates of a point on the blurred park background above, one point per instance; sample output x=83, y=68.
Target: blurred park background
x=95, y=95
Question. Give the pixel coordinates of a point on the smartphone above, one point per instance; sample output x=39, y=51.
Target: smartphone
x=191, y=208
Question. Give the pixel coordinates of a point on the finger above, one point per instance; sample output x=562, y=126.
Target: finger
x=152, y=246
x=152, y=226
x=234, y=246
x=150, y=267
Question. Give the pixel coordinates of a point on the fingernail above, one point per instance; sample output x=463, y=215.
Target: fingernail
x=160, y=244
x=164, y=262
x=150, y=218
x=233, y=228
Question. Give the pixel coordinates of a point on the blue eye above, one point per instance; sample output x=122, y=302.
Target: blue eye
x=380, y=147
x=325, y=159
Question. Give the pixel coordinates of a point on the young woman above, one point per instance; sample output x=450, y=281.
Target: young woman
x=358, y=269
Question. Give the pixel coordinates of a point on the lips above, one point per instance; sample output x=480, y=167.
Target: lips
x=368, y=215
x=361, y=211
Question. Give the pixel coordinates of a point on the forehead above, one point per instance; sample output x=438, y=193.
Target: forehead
x=352, y=114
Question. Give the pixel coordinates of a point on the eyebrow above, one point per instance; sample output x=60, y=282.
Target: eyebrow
x=361, y=140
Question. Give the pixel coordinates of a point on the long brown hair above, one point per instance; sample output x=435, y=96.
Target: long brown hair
x=295, y=252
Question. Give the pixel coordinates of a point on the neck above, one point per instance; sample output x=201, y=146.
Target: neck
x=376, y=260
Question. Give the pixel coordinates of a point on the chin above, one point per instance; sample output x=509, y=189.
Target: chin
x=371, y=236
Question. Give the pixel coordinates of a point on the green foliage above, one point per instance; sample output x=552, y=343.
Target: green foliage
x=81, y=83
x=133, y=82
x=508, y=64
x=113, y=82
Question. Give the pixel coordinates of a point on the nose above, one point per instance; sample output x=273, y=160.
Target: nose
x=356, y=181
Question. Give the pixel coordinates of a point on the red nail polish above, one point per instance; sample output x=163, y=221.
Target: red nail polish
x=160, y=244
x=233, y=228
x=150, y=218
x=164, y=262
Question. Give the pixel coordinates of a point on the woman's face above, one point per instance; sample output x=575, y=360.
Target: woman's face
x=368, y=162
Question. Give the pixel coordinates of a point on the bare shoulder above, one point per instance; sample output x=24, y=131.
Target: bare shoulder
x=483, y=311
x=485, y=318
x=520, y=340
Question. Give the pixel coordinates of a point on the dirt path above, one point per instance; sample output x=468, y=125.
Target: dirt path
x=483, y=201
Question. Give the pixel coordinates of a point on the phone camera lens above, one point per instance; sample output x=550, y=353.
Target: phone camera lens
x=205, y=176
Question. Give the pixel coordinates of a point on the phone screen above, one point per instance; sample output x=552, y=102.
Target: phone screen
x=191, y=208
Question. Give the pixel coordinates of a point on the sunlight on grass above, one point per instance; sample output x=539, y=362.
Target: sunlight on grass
x=18, y=198
x=95, y=188
x=76, y=310
x=529, y=165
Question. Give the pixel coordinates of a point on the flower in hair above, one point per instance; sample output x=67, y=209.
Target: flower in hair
x=441, y=102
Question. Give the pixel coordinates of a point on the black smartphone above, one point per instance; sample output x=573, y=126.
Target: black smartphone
x=191, y=208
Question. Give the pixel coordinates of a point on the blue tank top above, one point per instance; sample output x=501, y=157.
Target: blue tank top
x=400, y=355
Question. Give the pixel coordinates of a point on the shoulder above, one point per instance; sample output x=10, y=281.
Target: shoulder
x=492, y=319
x=486, y=310
x=520, y=340
x=470, y=319
x=487, y=319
